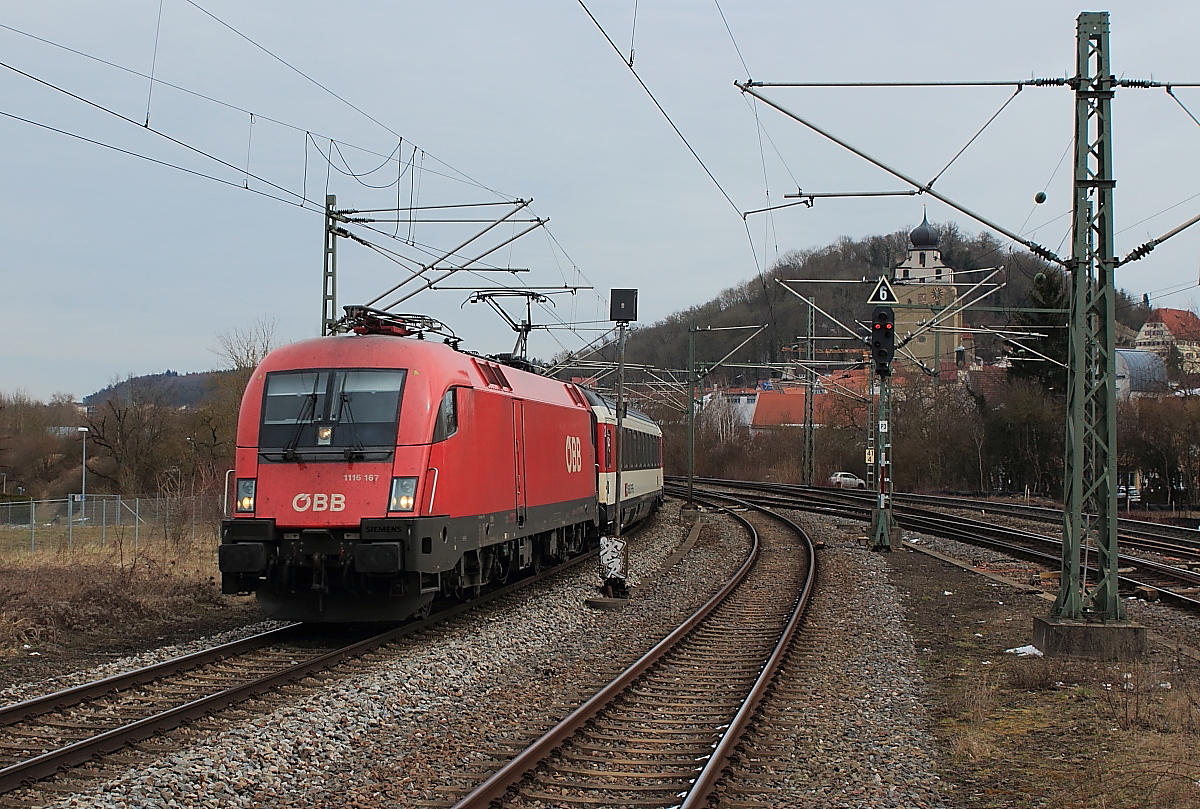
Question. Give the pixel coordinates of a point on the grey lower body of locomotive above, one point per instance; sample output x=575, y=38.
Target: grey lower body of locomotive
x=391, y=569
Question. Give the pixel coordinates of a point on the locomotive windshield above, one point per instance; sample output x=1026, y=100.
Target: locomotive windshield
x=336, y=414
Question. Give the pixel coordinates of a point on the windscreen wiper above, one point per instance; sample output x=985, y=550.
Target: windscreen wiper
x=307, y=410
x=355, y=451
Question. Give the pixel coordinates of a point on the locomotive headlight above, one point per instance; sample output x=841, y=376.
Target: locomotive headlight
x=245, y=494
x=324, y=435
x=404, y=491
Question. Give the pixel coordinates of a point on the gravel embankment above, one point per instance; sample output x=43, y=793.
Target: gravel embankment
x=866, y=741
x=1166, y=624
x=396, y=729
x=59, y=682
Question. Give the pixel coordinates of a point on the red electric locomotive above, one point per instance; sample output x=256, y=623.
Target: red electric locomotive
x=375, y=471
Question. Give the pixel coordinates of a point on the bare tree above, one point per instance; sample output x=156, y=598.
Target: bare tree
x=136, y=435
x=244, y=349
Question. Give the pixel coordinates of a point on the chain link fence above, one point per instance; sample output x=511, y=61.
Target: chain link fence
x=100, y=520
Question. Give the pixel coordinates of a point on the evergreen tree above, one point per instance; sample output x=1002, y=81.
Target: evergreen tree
x=1050, y=291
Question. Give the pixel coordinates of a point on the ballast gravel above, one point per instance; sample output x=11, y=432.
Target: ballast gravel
x=418, y=723
x=30, y=690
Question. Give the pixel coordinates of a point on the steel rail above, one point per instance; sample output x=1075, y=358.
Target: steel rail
x=497, y=784
x=20, y=711
x=961, y=529
x=714, y=768
x=970, y=531
x=1183, y=540
x=110, y=741
x=51, y=762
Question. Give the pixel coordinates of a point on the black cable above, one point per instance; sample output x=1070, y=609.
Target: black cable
x=648, y=92
x=291, y=67
x=460, y=176
x=729, y=31
x=302, y=198
x=154, y=61
x=155, y=160
x=160, y=133
x=349, y=172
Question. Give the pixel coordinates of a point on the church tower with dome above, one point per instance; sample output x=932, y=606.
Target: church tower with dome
x=925, y=289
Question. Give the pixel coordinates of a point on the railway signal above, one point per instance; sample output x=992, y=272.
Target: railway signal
x=883, y=339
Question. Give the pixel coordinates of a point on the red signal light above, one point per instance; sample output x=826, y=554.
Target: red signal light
x=883, y=339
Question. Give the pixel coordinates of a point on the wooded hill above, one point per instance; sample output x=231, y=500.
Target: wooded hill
x=1029, y=282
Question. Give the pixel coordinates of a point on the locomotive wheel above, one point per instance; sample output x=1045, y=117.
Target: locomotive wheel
x=503, y=568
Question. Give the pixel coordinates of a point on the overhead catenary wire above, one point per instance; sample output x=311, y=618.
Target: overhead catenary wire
x=154, y=60
x=687, y=144
x=750, y=87
x=335, y=158
x=732, y=38
x=658, y=105
x=456, y=174
x=159, y=133
x=334, y=146
x=292, y=67
x=92, y=141
x=975, y=137
x=244, y=171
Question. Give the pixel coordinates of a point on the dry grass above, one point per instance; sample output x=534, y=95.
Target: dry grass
x=1073, y=734
x=1153, y=772
x=84, y=587
x=1092, y=735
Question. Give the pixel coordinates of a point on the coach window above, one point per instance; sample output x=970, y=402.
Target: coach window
x=447, y=416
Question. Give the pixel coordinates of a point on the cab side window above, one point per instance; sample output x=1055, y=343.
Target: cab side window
x=447, y=416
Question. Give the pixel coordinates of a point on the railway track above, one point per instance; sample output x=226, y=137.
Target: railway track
x=56, y=732
x=662, y=732
x=1165, y=574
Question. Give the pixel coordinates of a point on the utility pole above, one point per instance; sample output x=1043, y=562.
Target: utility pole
x=693, y=381
x=1090, y=497
x=1090, y=506
x=329, y=314
x=691, y=422
x=1091, y=494
x=810, y=441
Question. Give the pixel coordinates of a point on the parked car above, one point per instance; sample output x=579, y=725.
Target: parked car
x=846, y=480
x=1134, y=495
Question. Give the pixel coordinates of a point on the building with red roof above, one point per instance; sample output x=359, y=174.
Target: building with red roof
x=1167, y=328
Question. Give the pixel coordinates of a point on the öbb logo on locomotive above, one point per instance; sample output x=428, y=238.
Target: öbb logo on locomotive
x=319, y=501
x=574, y=454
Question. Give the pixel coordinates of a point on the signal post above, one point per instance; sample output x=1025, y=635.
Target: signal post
x=883, y=349
x=614, y=552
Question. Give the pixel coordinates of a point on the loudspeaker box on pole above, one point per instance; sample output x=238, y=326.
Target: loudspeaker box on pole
x=622, y=305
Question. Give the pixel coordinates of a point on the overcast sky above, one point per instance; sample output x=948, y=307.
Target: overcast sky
x=129, y=248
